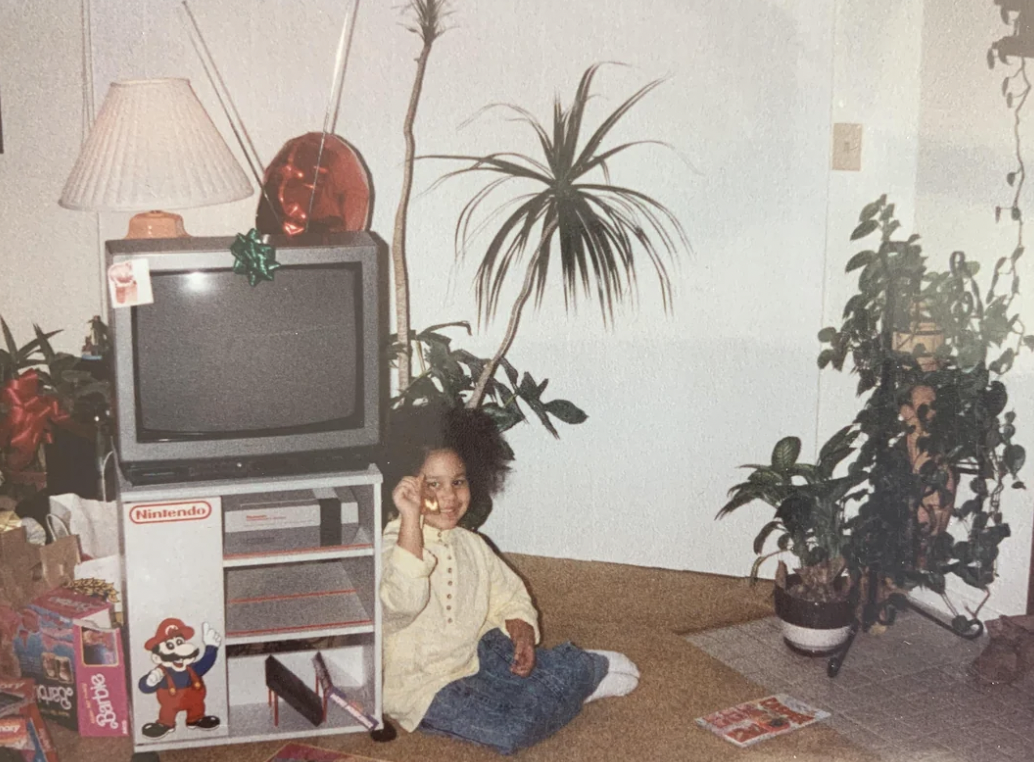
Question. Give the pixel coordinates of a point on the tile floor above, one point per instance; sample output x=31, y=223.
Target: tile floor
x=906, y=694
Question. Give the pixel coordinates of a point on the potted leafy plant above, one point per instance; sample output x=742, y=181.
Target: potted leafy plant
x=816, y=601
x=934, y=418
x=930, y=350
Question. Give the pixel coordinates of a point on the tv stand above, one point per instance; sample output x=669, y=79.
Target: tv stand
x=304, y=582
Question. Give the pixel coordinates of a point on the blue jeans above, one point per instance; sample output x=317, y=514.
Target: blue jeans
x=497, y=708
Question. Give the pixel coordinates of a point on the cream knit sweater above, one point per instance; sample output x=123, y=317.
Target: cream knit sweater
x=436, y=609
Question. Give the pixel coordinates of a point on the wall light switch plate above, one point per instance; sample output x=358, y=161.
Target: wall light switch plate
x=847, y=147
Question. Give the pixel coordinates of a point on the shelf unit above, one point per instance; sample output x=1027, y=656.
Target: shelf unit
x=288, y=588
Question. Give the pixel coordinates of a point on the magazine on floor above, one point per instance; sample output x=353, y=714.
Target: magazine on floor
x=752, y=721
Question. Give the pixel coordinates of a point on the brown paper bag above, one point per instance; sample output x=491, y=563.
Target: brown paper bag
x=28, y=570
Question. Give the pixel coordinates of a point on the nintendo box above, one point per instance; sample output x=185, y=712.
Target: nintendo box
x=22, y=730
x=66, y=644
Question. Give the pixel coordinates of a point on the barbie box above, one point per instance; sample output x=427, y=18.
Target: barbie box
x=66, y=644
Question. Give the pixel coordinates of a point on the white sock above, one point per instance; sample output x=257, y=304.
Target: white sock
x=621, y=679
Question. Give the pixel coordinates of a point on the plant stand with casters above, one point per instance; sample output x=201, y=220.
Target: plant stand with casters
x=221, y=575
x=884, y=612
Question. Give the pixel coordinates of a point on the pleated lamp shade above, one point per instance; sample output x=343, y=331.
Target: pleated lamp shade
x=153, y=147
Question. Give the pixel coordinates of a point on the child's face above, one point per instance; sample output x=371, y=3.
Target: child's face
x=445, y=479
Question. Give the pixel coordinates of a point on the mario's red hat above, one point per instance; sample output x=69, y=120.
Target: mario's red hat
x=169, y=628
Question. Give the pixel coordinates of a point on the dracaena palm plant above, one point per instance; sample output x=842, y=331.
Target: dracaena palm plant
x=572, y=219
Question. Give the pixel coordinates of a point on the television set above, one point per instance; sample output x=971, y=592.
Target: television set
x=216, y=378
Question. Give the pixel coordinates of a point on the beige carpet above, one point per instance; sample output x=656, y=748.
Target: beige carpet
x=598, y=605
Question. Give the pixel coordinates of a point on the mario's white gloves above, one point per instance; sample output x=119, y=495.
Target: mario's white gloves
x=209, y=636
x=155, y=676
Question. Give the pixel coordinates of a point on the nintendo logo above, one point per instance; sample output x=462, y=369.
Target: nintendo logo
x=158, y=513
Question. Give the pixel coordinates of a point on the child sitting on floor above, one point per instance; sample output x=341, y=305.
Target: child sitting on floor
x=460, y=630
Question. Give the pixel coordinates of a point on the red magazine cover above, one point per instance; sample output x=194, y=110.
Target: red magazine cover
x=746, y=724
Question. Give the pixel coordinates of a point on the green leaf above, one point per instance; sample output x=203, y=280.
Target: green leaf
x=539, y=409
x=765, y=476
x=527, y=388
x=1011, y=177
x=864, y=229
x=755, y=568
x=504, y=417
x=1016, y=214
x=861, y=259
x=759, y=541
x=740, y=499
x=511, y=372
x=871, y=209
x=12, y=345
x=785, y=453
x=827, y=334
x=566, y=411
x=1014, y=457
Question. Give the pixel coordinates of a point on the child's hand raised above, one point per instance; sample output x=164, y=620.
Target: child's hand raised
x=408, y=496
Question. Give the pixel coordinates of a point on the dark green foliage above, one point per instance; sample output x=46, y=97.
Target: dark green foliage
x=592, y=229
x=60, y=373
x=808, y=501
x=869, y=514
x=968, y=432
x=448, y=374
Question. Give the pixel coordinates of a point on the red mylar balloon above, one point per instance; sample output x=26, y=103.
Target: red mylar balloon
x=342, y=199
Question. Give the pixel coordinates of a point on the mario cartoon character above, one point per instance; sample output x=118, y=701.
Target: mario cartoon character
x=177, y=677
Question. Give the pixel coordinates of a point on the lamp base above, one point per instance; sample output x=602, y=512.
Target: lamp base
x=156, y=225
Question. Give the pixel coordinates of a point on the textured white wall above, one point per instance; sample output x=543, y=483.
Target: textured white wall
x=47, y=255
x=875, y=84
x=675, y=403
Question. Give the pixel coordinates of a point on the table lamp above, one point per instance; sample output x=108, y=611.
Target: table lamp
x=153, y=147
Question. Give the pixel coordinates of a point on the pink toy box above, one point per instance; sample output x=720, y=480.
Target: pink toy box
x=66, y=644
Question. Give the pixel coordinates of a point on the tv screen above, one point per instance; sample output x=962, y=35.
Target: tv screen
x=229, y=385
x=216, y=378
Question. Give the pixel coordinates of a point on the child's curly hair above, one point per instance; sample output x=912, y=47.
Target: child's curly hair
x=413, y=432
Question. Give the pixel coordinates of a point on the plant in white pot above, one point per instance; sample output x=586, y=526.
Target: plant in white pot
x=816, y=600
